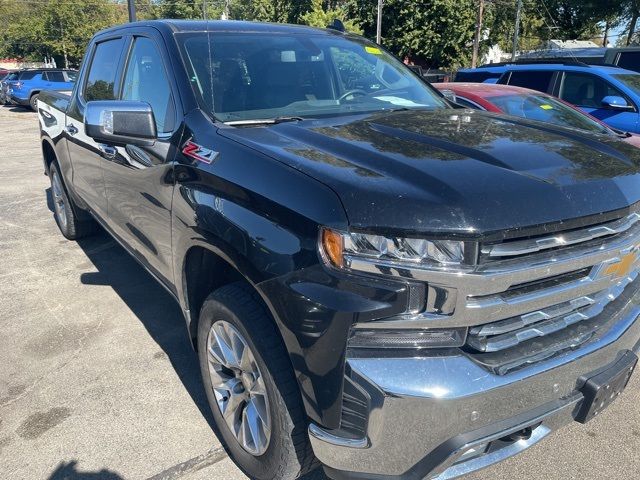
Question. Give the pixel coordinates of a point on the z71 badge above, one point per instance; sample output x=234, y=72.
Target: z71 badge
x=200, y=153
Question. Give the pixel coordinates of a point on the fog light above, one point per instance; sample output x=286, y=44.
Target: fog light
x=401, y=339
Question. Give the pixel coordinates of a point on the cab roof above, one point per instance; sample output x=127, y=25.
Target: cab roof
x=176, y=26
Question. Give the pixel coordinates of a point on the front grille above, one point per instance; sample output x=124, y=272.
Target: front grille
x=530, y=298
x=585, y=325
x=546, y=315
x=496, y=336
x=520, y=247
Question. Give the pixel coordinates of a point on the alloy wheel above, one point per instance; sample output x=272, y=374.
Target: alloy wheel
x=58, y=199
x=238, y=387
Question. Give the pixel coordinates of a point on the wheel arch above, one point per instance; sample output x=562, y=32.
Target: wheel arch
x=48, y=154
x=206, y=268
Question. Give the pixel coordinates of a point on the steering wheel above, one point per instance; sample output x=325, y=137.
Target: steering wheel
x=355, y=91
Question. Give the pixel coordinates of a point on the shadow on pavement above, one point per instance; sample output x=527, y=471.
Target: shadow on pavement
x=18, y=109
x=157, y=311
x=68, y=471
x=154, y=307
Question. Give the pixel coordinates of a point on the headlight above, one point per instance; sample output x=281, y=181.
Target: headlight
x=338, y=247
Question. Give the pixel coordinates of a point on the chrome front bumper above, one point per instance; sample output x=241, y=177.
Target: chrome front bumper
x=426, y=412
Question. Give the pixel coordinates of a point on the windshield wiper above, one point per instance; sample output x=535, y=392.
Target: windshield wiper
x=264, y=121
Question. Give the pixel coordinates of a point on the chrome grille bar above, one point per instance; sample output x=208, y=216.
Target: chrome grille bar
x=548, y=321
x=561, y=239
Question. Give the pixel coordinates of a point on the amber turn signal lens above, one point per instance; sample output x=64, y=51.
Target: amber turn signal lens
x=332, y=246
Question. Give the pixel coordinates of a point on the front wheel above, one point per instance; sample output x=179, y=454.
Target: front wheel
x=251, y=388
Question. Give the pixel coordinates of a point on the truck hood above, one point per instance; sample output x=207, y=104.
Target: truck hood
x=455, y=171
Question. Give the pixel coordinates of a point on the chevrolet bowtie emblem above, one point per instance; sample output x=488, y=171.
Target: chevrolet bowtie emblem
x=622, y=267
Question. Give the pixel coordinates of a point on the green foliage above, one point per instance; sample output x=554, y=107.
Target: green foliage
x=319, y=16
x=290, y=11
x=57, y=27
x=188, y=9
x=439, y=31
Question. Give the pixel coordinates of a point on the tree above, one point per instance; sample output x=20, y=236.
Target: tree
x=188, y=9
x=318, y=16
x=501, y=24
x=438, y=31
x=58, y=27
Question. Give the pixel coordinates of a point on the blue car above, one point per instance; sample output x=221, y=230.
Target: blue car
x=610, y=94
x=22, y=87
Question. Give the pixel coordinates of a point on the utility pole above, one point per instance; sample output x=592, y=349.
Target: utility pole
x=516, y=33
x=476, y=38
x=132, y=10
x=379, y=24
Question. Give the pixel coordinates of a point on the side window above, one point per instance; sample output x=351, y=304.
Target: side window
x=55, y=76
x=28, y=75
x=146, y=80
x=629, y=60
x=102, y=73
x=586, y=90
x=535, y=80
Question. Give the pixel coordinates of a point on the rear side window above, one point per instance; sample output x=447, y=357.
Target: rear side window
x=102, y=73
x=54, y=76
x=28, y=75
x=535, y=80
x=586, y=90
x=629, y=61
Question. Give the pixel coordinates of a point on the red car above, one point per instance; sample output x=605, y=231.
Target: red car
x=530, y=104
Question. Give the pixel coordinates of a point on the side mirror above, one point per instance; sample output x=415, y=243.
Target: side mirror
x=615, y=102
x=449, y=95
x=120, y=123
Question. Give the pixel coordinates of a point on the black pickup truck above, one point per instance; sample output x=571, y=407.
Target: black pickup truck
x=375, y=281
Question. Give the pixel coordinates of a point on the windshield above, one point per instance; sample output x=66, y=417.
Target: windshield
x=262, y=76
x=630, y=80
x=547, y=109
x=12, y=76
x=72, y=75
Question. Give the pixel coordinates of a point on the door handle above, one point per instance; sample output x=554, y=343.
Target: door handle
x=71, y=130
x=108, y=152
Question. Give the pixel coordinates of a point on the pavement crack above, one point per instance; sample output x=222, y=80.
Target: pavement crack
x=194, y=464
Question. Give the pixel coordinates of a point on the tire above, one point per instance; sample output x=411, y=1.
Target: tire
x=33, y=102
x=65, y=209
x=288, y=454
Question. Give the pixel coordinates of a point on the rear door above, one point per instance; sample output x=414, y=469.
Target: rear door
x=139, y=180
x=100, y=82
x=587, y=90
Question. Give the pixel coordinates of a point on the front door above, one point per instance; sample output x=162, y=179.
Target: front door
x=139, y=180
x=586, y=91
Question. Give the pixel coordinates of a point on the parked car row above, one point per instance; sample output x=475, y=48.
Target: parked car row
x=529, y=104
x=22, y=87
x=608, y=93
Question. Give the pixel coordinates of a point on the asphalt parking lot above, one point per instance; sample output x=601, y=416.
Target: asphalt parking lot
x=98, y=381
